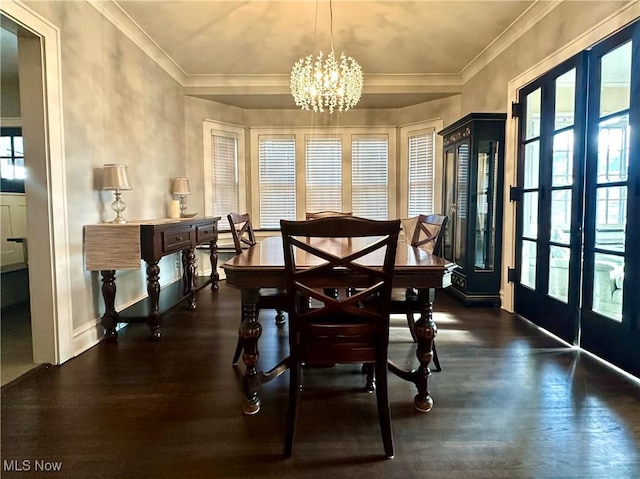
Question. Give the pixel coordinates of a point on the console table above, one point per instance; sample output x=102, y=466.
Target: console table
x=110, y=247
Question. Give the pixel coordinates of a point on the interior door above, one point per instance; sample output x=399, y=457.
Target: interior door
x=549, y=205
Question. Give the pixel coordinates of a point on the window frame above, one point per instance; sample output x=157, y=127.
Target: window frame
x=407, y=131
x=13, y=185
x=300, y=134
x=238, y=133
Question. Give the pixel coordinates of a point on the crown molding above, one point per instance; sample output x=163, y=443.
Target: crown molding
x=112, y=12
x=271, y=84
x=277, y=84
x=525, y=22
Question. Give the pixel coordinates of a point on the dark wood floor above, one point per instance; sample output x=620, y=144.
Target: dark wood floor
x=510, y=403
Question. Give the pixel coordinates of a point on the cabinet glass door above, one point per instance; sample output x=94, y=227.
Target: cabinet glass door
x=486, y=191
x=449, y=204
x=462, y=192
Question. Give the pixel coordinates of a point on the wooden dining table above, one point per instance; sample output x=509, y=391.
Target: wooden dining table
x=262, y=266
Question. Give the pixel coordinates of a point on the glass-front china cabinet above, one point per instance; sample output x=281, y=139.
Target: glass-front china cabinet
x=473, y=184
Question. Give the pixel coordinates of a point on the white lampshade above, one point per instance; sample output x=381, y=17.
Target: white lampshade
x=114, y=177
x=180, y=186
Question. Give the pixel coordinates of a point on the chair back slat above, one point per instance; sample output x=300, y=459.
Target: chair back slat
x=429, y=233
x=362, y=317
x=241, y=230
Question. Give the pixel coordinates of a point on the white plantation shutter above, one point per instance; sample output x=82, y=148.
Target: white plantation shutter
x=224, y=175
x=277, y=172
x=369, y=181
x=421, y=168
x=323, y=157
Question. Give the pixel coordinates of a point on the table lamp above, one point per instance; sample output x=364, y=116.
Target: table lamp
x=180, y=187
x=114, y=177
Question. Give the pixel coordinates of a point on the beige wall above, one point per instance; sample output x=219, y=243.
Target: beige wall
x=9, y=97
x=119, y=107
x=9, y=88
x=487, y=90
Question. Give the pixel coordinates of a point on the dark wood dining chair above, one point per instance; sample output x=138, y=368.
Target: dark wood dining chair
x=348, y=329
x=427, y=233
x=270, y=298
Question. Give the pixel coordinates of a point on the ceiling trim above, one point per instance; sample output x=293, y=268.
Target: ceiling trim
x=274, y=84
x=397, y=83
x=525, y=22
x=123, y=22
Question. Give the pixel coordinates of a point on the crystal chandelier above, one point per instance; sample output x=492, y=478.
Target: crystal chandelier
x=324, y=82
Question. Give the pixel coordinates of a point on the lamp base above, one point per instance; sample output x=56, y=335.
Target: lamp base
x=118, y=206
x=118, y=220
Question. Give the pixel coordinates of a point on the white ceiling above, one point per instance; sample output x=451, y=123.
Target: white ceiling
x=241, y=52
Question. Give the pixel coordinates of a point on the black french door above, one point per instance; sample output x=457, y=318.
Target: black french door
x=550, y=191
x=578, y=196
x=610, y=308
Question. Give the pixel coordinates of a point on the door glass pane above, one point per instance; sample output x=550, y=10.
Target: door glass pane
x=485, y=206
x=531, y=164
x=5, y=146
x=528, y=267
x=613, y=149
x=611, y=217
x=21, y=171
x=532, y=125
x=18, y=146
x=462, y=191
x=615, y=80
x=560, y=216
x=565, y=99
x=562, y=169
x=530, y=214
x=559, y=273
x=608, y=278
x=6, y=169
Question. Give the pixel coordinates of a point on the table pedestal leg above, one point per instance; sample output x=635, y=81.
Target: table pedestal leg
x=425, y=330
x=250, y=331
x=213, y=258
x=109, y=319
x=189, y=266
x=153, y=290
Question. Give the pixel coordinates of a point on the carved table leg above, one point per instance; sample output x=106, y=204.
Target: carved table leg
x=189, y=262
x=213, y=258
x=425, y=332
x=153, y=289
x=250, y=331
x=109, y=319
